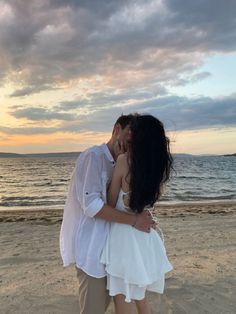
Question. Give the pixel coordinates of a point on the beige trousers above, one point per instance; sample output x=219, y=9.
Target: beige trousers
x=93, y=295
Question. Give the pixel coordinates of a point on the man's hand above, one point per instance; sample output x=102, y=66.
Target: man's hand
x=119, y=148
x=144, y=222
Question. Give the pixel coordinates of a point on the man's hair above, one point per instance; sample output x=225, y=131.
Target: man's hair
x=125, y=120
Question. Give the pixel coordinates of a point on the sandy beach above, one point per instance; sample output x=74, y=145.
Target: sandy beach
x=200, y=240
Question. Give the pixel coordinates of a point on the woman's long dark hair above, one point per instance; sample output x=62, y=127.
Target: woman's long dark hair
x=150, y=161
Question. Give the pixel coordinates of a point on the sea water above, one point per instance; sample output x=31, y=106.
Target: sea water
x=42, y=183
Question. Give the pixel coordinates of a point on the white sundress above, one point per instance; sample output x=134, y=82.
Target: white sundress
x=135, y=261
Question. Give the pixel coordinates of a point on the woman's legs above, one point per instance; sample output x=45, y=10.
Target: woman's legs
x=143, y=306
x=122, y=307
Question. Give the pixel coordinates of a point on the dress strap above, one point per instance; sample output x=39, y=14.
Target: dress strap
x=125, y=193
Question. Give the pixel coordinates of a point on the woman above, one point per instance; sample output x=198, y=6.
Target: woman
x=136, y=261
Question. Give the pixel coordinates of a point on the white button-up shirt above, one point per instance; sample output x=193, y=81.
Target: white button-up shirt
x=83, y=236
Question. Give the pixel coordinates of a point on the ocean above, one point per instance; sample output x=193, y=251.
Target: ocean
x=42, y=182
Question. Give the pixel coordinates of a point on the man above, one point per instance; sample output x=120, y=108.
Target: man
x=86, y=217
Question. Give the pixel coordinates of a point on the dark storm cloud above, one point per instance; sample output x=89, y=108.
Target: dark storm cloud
x=45, y=42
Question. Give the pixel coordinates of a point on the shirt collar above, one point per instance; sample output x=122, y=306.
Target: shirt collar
x=108, y=153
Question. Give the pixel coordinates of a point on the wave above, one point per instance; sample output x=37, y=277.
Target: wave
x=44, y=181
x=30, y=204
x=192, y=197
x=200, y=177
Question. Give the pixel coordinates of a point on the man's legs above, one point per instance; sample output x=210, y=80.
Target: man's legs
x=93, y=295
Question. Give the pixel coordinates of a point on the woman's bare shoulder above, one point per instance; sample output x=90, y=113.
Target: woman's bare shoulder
x=122, y=160
x=122, y=166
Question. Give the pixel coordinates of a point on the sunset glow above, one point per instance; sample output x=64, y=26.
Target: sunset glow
x=69, y=69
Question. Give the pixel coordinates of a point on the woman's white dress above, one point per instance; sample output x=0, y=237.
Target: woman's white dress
x=135, y=261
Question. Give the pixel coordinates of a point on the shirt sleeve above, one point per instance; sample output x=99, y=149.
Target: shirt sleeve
x=89, y=184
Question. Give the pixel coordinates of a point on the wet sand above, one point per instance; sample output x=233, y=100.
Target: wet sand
x=200, y=241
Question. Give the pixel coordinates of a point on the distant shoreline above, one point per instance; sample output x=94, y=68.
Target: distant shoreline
x=76, y=154
x=63, y=154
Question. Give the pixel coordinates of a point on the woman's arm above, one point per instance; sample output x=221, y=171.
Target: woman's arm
x=116, y=181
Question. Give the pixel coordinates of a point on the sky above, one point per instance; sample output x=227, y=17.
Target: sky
x=69, y=69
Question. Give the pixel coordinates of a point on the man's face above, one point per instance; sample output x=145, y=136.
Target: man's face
x=124, y=135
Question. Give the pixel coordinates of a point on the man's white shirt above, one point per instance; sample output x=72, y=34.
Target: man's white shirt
x=83, y=236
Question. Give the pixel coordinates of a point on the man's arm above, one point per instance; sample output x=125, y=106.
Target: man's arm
x=88, y=190
x=142, y=222
x=108, y=212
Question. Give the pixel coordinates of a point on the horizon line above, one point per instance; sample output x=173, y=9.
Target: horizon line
x=79, y=152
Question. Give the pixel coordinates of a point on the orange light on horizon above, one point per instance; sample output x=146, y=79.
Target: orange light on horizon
x=204, y=141
x=51, y=142
x=208, y=141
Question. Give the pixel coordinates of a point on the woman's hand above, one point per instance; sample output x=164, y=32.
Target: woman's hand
x=119, y=148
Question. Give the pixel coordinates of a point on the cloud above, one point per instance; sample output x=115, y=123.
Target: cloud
x=194, y=78
x=111, y=97
x=28, y=130
x=177, y=113
x=124, y=56
x=71, y=105
x=211, y=23
x=30, y=90
x=41, y=114
x=126, y=43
